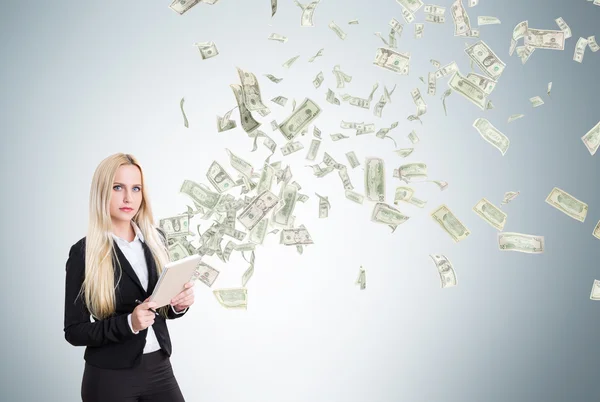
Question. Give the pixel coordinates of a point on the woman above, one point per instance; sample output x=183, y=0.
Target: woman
x=127, y=345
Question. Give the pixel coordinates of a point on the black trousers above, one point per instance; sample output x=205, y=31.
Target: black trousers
x=151, y=381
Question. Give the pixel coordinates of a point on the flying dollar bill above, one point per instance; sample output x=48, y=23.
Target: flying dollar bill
x=486, y=59
x=219, y=178
x=386, y=214
x=509, y=196
x=596, y=231
x=232, y=298
x=545, y=39
x=445, y=269
x=465, y=88
x=492, y=135
x=393, y=61
x=295, y=236
x=490, y=213
x=257, y=209
x=524, y=243
x=568, y=204
x=450, y=223
x=595, y=294
x=375, y=179
x=305, y=114
x=205, y=274
x=592, y=139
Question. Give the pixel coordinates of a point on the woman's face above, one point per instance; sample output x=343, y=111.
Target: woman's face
x=126, y=192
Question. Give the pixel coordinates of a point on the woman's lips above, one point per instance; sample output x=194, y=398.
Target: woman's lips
x=126, y=209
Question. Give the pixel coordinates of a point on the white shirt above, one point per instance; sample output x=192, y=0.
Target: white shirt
x=134, y=252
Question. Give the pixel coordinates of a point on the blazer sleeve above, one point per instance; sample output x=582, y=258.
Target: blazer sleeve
x=79, y=330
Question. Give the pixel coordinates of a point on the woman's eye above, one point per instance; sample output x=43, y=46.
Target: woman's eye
x=115, y=187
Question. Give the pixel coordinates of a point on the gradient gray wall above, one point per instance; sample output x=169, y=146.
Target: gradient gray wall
x=82, y=80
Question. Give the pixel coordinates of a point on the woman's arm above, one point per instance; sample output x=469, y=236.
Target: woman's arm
x=79, y=330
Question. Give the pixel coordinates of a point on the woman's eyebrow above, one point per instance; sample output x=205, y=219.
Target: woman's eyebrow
x=124, y=184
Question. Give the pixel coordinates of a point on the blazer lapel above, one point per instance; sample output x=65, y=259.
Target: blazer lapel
x=126, y=266
x=152, y=274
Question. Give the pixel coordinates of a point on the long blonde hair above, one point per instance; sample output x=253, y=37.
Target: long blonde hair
x=99, y=283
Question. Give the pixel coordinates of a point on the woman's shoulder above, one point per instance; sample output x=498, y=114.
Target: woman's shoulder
x=78, y=249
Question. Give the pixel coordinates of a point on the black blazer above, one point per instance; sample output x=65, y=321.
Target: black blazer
x=110, y=343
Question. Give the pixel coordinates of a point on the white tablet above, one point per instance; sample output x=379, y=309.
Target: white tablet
x=173, y=279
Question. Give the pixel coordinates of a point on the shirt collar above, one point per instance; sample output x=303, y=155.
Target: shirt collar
x=136, y=229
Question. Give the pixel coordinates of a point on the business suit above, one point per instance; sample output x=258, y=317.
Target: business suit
x=110, y=343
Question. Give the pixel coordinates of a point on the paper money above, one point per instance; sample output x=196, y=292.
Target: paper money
x=419, y=28
x=549, y=88
x=324, y=206
x=492, y=135
x=223, y=124
x=403, y=194
x=207, y=49
x=446, y=93
x=473, y=3
x=404, y=152
x=185, y=120
x=393, y=61
x=410, y=5
x=353, y=22
x=592, y=43
x=252, y=97
x=568, y=204
x=338, y=31
x=536, y=101
x=486, y=59
x=485, y=83
x=436, y=19
x=205, y=274
x=313, y=149
x=175, y=226
x=338, y=136
x=375, y=179
x=441, y=184
x=257, y=209
x=591, y=139
x=462, y=25
x=273, y=8
x=258, y=232
x=318, y=54
x=330, y=97
x=514, y=117
x=200, y=195
x=445, y=269
x=283, y=216
x=181, y=6
x=291, y=147
x=509, y=196
x=305, y=114
x=354, y=196
x=518, y=32
x=596, y=231
x=467, y=89
x=450, y=223
x=249, y=124
x=249, y=272
x=545, y=39
x=524, y=243
x=232, y=298
x=295, y=236
x=352, y=159
x=396, y=26
x=580, y=49
x=485, y=20
x=407, y=15
x=413, y=137
x=595, y=294
x=362, y=278
x=273, y=78
x=306, y=20
x=563, y=27
x=490, y=213
x=388, y=215
x=289, y=62
x=219, y=178
x=278, y=37
x=340, y=76
x=412, y=172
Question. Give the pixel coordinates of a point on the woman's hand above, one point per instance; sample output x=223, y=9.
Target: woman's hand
x=184, y=299
x=142, y=317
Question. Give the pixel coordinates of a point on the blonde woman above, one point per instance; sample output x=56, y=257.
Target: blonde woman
x=118, y=262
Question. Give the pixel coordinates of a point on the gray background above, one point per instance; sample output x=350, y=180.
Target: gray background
x=83, y=80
